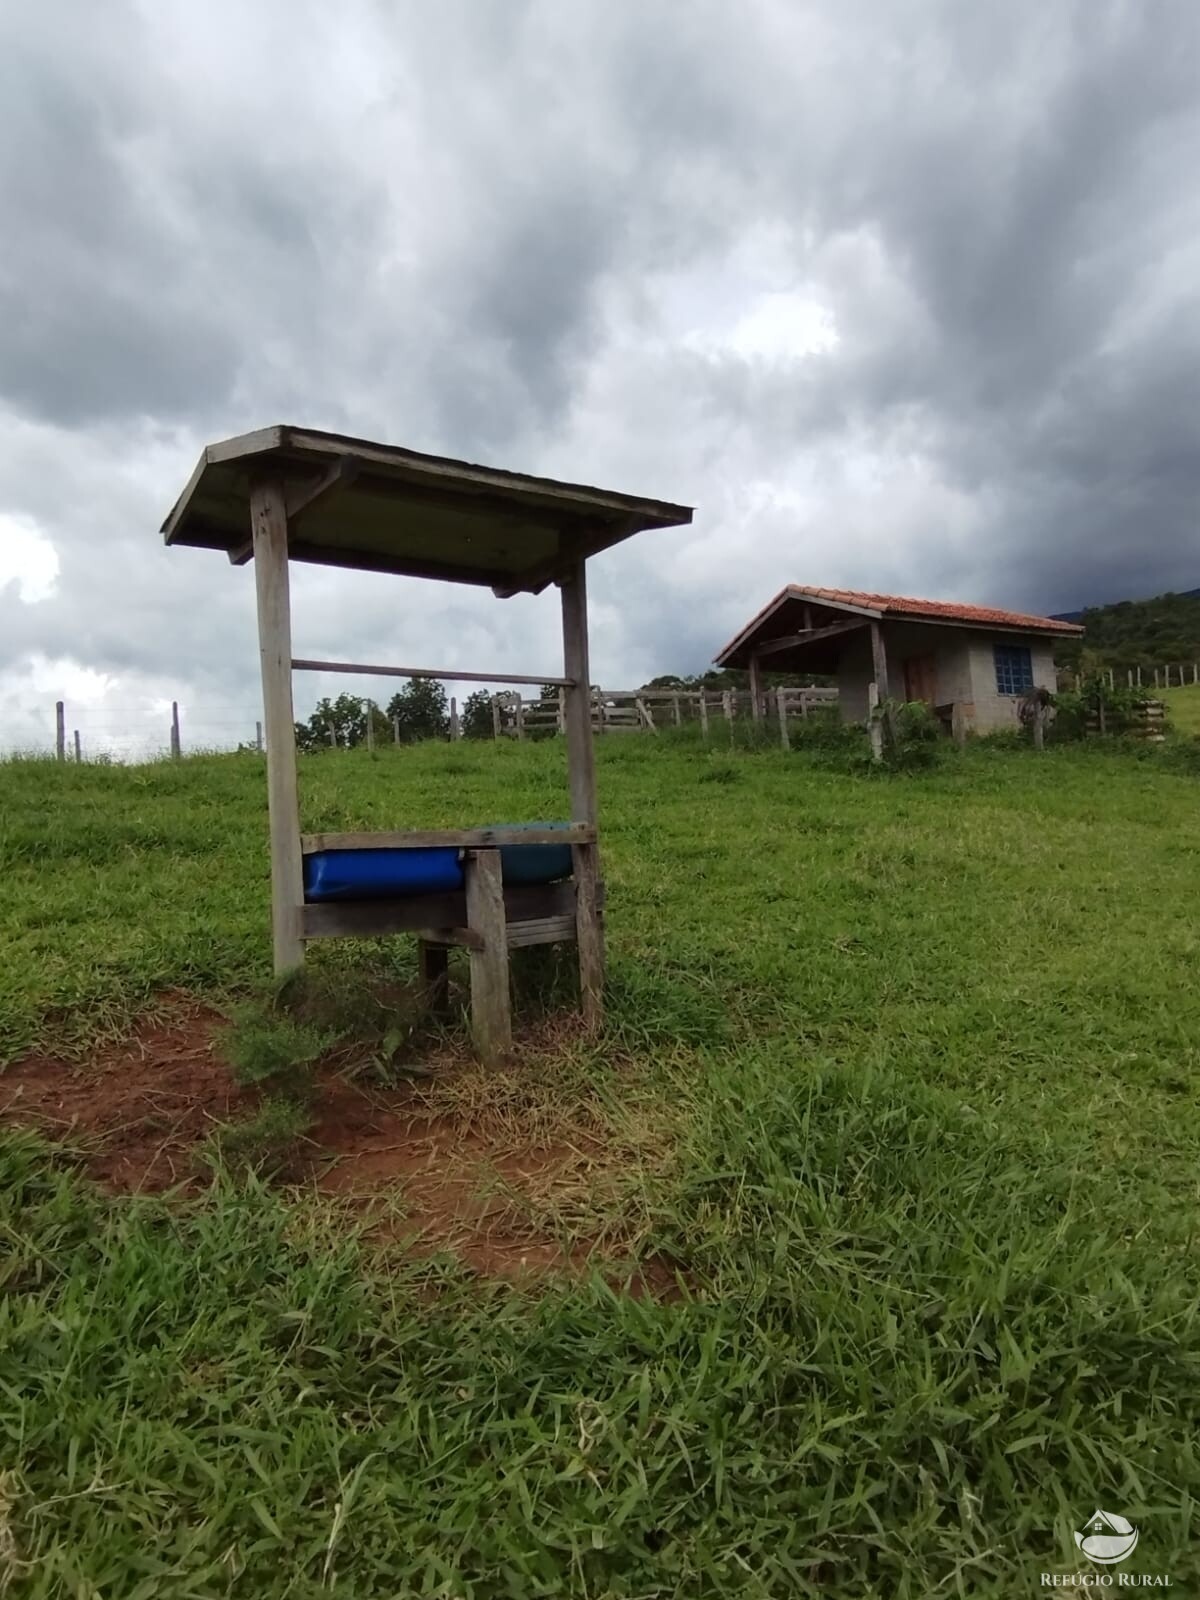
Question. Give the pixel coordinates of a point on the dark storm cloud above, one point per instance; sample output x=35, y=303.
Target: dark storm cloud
x=532, y=233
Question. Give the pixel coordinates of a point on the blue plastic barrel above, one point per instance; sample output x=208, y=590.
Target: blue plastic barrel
x=534, y=863
x=381, y=874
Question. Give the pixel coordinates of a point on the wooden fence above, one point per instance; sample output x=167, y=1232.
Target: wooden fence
x=650, y=710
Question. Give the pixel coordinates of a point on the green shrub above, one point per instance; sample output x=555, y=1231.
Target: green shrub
x=266, y=1046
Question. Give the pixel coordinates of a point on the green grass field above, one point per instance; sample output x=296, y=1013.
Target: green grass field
x=915, y=1059
x=1183, y=708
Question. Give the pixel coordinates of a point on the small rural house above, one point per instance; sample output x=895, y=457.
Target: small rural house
x=972, y=664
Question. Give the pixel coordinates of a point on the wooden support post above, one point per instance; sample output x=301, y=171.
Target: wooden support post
x=519, y=712
x=581, y=780
x=675, y=713
x=333, y=736
x=78, y=747
x=1039, y=725
x=781, y=706
x=958, y=723
x=727, y=708
x=879, y=660
x=433, y=964
x=176, y=748
x=874, y=726
x=268, y=522
x=370, y=725
x=1156, y=677
x=755, y=690
x=1196, y=672
x=1139, y=676
x=879, y=666
x=804, y=702
x=703, y=704
x=1129, y=678
x=491, y=1009
x=455, y=732
x=258, y=744
x=495, y=716
x=395, y=730
x=562, y=711
x=60, y=730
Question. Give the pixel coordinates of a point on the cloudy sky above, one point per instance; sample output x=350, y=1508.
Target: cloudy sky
x=899, y=294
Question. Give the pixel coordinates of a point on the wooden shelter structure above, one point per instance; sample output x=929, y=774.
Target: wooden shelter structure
x=286, y=494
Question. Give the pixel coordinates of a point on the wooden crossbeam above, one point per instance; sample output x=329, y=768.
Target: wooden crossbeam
x=449, y=838
x=369, y=669
x=789, y=641
x=301, y=495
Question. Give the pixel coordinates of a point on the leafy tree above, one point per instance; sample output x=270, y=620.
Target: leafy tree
x=476, y=717
x=344, y=718
x=420, y=711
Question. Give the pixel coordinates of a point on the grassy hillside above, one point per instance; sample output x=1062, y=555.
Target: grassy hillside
x=1163, y=631
x=913, y=1067
x=1183, y=709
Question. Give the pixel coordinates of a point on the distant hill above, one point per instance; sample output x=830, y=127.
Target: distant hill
x=1152, y=633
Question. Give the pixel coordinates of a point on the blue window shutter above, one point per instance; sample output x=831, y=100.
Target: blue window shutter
x=1014, y=668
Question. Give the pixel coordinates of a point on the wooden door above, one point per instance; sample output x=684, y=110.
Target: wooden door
x=920, y=679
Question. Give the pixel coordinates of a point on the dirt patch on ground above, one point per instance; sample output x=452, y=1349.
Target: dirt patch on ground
x=142, y=1112
x=139, y=1110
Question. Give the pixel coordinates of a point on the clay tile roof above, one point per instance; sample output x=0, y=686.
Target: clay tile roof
x=860, y=601
x=896, y=605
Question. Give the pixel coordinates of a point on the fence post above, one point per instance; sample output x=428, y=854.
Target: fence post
x=703, y=715
x=1196, y=671
x=176, y=751
x=78, y=750
x=1139, y=676
x=454, y=728
x=258, y=736
x=1156, y=677
x=781, y=707
x=520, y=709
x=1129, y=678
x=804, y=702
x=678, y=720
x=495, y=716
x=370, y=725
x=333, y=735
x=1039, y=725
x=60, y=730
x=562, y=711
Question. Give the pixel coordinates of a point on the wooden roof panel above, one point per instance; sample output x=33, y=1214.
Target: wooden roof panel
x=401, y=511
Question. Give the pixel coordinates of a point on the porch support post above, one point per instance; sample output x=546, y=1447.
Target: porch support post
x=581, y=779
x=879, y=658
x=755, y=690
x=269, y=533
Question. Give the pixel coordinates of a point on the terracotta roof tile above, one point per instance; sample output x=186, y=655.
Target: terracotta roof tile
x=946, y=610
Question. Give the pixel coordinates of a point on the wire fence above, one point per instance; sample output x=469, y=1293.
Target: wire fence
x=135, y=732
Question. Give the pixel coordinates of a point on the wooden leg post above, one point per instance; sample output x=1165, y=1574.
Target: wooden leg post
x=491, y=1009
x=268, y=520
x=581, y=778
x=434, y=967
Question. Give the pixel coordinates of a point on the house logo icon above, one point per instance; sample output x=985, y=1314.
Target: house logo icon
x=1107, y=1538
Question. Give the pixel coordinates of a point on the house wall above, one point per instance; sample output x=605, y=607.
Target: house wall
x=995, y=710
x=964, y=666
